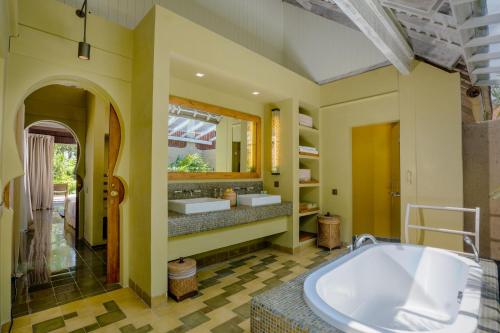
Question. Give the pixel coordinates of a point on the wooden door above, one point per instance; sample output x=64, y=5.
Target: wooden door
x=236, y=156
x=115, y=197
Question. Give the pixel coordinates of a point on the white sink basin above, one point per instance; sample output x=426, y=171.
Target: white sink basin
x=255, y=200
x=198, y=205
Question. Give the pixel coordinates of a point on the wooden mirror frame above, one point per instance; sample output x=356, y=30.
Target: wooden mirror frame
x=189, y=103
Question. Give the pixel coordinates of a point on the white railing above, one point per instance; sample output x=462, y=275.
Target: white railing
x=474, y=234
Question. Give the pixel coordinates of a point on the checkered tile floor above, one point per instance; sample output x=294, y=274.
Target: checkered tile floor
x=222, y=305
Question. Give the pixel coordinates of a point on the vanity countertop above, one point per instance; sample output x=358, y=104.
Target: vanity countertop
x=182, y=224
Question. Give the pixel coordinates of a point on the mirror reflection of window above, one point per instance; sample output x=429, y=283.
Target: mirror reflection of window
x=192, y=143
x=200, y=141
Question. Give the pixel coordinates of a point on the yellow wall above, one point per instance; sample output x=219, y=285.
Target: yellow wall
x=430, y=99
x=6, y=225
x=159, y=158
x=44, y=53
x=199, y=45
x=188, y=245
x=149, y=167
x=8, y=25
x=427, y=104
x=140, y=168
x=371, y=180
x=289, y=164
x=93, y=184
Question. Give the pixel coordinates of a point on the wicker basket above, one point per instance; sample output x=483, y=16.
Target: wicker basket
x=182, y=281
x=329, y=231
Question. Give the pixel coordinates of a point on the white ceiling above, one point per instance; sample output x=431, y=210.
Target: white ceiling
x=315, y=47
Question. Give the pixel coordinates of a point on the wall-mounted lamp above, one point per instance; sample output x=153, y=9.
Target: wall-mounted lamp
x=83, y=47
x=251, y=146
x=275, y=141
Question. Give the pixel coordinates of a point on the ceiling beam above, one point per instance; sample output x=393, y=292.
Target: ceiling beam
x=195, y=128
x=375, y=23
x=489, y=82
x=324, y=9
x=180, y=126
x=480, y=57
x=205, y=132
x=424, y=37
x=486, y=70
x=483, y=41
x=480, y=21
x=463, y=2
x=184, y=139
x=416, y=21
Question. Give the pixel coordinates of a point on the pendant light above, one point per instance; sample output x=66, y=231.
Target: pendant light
x=83, y=47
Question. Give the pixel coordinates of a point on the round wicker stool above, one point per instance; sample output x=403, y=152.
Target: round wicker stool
x=329, y=231
x=182, y=281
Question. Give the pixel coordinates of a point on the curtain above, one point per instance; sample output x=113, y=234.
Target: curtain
x=40, y=159
x=21, y=213
x=26, y=181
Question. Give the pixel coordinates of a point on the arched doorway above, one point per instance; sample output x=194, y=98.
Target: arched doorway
x=51, y=151
x=84, y=265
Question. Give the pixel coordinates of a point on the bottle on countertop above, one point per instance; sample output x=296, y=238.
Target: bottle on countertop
x=230, y=194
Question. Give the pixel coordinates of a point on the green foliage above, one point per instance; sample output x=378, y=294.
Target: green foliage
x=65, y=156
x=189, y=163
x=495, y=95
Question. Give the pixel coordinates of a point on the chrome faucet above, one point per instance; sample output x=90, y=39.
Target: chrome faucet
x=359, y=241
x=469, y=242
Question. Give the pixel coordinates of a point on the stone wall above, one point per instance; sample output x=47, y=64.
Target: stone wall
x=481, y=156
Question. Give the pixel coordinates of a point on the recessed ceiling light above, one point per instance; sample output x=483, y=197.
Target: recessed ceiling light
x=200, y=74
x=255, y=93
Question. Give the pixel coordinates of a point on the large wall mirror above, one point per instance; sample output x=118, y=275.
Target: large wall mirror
x=211, y=142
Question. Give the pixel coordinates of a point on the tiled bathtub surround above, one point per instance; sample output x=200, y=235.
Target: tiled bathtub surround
x=181, y=224
x=202, y=190
x=284, y=310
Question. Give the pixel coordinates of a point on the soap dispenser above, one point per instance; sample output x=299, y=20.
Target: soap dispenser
x=230, y=194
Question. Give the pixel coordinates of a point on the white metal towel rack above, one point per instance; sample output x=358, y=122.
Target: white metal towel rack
x=474, y=234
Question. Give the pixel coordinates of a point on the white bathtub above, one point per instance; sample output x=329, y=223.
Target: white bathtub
x=397, y=288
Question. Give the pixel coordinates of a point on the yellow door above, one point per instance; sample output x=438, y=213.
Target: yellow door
x=375, y=165
x=395, y=183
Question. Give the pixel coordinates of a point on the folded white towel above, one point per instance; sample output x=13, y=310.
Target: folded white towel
x=307, y=149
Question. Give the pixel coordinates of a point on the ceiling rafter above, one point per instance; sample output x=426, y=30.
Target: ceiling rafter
x=434, y=40
x=480, y=21
x=208, y=130
x=482, y=57
x=375, y=23
x=451, y=34
x=475, y=43
x=324, y=9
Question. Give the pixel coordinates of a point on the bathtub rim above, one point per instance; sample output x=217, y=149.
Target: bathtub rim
x=349, y=325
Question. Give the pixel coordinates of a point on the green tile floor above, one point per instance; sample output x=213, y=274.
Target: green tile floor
x=222, y=305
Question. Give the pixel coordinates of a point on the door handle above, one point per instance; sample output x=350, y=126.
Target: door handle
x=395, y=194
x=114, y=193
